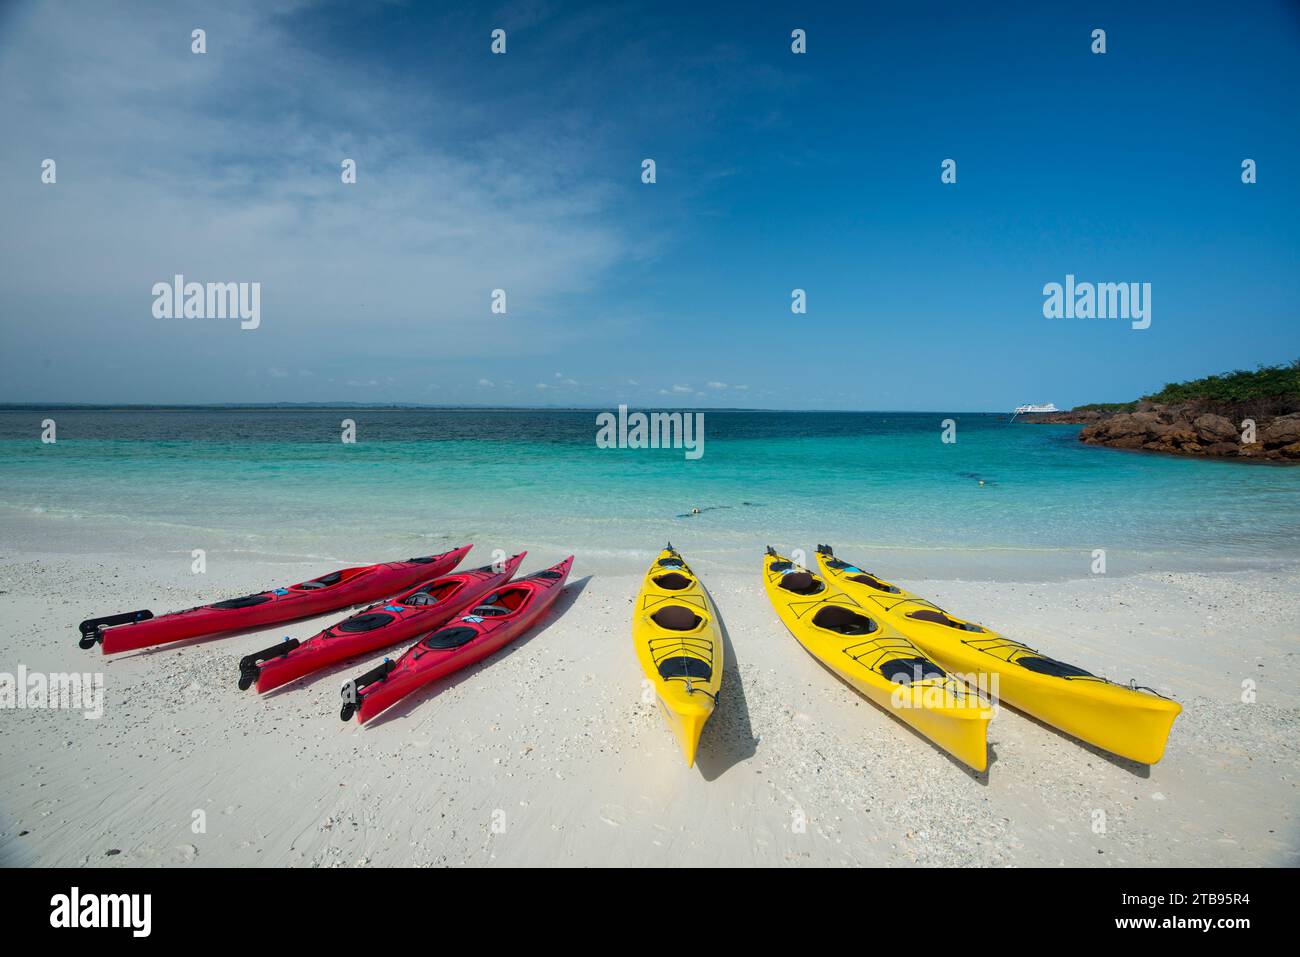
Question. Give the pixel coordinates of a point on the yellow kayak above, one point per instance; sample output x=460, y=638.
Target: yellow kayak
x=878, y=661
x=679, y=644
x=1124, y=720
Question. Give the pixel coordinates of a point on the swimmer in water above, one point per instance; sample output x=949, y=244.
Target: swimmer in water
x=695, y=511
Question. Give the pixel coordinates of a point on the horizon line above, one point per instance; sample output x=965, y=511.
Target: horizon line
x=416, y=406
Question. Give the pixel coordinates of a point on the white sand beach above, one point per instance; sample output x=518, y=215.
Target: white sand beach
x=548, y=754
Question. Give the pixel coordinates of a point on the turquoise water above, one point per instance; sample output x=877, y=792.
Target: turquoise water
x=282, y=483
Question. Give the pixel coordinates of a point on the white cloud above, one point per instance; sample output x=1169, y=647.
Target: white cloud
x=683, y=389
x=486, y=383
x=717, y=385
x=225, y=167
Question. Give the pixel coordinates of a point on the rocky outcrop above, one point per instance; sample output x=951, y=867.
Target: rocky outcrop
x=1080, y=417
x=1282, y=432
x=1191, y=429
x=1216, y=428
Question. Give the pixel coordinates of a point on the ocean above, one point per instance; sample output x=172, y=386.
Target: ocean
x=881, y=486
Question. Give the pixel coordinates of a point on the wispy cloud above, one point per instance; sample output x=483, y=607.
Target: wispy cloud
x=226, y=167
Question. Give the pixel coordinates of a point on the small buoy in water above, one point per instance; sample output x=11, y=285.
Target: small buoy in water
x=695, y=511
x=981, y=482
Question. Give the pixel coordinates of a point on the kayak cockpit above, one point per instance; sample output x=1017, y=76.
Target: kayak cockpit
x=425, y=595
x=842, y=621
x=331, y=580
x=673, y=581
x=676, y=618
x=863, y=578
x=801, y=583
x=505, y=602
x=937, y=617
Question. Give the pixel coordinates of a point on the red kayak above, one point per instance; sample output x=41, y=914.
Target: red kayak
x=429, y=605
x=490, y=625
x=347, y=586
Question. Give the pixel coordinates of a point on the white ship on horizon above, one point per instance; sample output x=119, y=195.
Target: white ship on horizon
x=1028, y=409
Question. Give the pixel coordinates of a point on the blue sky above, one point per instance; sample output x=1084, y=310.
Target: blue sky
x=522, y=172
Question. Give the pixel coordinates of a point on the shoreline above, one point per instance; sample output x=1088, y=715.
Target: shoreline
x=553, y=738
x=29, y=531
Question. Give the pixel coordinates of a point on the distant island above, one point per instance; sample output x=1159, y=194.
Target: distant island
x=1242, y=414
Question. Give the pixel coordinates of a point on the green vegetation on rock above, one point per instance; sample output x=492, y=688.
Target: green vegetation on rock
x=1106, y=408
x=1266, y=382
x=1232, y=390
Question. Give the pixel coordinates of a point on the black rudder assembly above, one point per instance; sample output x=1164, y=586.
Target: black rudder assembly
x=92, y=629
x=354, y=689
x=251, y=665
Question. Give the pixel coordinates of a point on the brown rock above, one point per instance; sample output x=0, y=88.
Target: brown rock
x=1062, y=418
x=1214, y=428
x=1127, y=442
x=1122, y=425
x=1150, y=422
x=1284, y=430
x=1188, y=428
